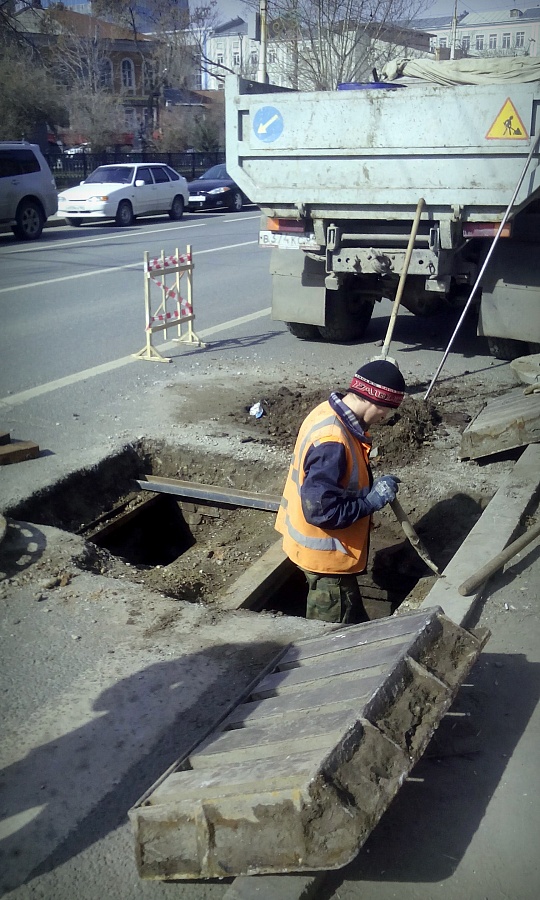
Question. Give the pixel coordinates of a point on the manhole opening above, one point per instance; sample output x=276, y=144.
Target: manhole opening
x=154, y=533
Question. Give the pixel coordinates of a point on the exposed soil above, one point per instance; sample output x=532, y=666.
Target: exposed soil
x=193, y=552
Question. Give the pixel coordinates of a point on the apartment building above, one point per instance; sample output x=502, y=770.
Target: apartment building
x=511, y=32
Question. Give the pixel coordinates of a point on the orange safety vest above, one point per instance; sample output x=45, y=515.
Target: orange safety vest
x=325, y=551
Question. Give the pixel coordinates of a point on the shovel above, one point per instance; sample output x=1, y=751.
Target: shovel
x=401, y=285
x=412, y=536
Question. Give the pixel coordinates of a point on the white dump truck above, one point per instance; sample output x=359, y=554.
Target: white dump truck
x=338, y=176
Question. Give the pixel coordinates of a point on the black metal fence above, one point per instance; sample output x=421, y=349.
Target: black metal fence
x=69, y=170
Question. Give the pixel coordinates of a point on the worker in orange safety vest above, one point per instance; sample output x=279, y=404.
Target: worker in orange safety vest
x=330, y=496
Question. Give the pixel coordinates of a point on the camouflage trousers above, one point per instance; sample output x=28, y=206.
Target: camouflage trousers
x=334, y=598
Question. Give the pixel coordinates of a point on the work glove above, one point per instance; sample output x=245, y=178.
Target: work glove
x=383, y=491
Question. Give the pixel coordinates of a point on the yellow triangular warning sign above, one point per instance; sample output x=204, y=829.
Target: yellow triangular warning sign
x=508, y=126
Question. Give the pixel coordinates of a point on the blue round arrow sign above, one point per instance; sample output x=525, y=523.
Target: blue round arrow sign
x=268, y=123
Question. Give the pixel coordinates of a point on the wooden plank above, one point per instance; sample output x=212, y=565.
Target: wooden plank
x=122, y=519
x=18, y=451
x=262, y=578
x=506, y=422
x=216, y=496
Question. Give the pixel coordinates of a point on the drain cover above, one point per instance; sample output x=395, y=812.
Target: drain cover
x=298, y=774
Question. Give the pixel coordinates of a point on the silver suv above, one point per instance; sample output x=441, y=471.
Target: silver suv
x=28, y=193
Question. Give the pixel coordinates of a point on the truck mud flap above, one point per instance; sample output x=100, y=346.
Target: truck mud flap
x=300, y=771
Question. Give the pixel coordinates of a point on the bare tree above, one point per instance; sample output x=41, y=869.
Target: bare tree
x=81, y=64
x=325, y=42
x=177, y=33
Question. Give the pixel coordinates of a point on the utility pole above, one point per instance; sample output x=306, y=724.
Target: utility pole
x=454, y=33
x=262, y=74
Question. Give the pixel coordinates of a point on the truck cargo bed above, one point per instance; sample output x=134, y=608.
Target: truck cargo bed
x=355, y=153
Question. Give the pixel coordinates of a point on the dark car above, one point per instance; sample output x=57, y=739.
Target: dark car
x=215, y=190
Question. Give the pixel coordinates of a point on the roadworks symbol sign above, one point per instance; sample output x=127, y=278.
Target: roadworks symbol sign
x=508, y=126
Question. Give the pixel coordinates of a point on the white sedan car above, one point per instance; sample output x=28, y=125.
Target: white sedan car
x=124, y=191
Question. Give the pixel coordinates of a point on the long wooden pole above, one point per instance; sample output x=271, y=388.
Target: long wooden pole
x=475, y=581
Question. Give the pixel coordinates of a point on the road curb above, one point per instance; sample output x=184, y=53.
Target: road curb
x=53, y=222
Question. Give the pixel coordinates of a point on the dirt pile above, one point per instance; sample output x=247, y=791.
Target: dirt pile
x=398, y=440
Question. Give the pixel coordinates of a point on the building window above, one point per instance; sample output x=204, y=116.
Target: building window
x=130, y=118
x=493, y=42
x=106, y=74
x=466, y=42
x=128, y=75
x=149, y=75
x=254, y=58
x=236, y=57
x=442, y=42
x=432, y=43
x=479, y=42
x=219, y=58
x=272, y=58
x=506, y=41
x=520, y=38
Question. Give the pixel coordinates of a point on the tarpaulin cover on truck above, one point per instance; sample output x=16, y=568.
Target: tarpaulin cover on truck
x=464, y=71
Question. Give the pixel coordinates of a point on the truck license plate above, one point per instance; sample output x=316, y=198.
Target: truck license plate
x=287, y=241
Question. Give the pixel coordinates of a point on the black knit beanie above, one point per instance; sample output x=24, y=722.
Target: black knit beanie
x=381, y=382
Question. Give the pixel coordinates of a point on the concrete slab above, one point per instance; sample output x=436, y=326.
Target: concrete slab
x=296, y=781
x=527, y=368
x=495, y=529
x=510, y=421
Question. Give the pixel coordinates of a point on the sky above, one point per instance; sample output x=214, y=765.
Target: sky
x=228, y=9
x=442, y=7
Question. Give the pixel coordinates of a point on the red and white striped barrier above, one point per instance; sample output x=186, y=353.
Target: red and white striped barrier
x=180, y=314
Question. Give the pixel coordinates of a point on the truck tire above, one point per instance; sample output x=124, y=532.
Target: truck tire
x=507, y=348
x=348, y=314
x=303, y=331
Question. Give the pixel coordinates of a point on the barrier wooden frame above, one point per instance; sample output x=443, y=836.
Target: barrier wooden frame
x=159, y=267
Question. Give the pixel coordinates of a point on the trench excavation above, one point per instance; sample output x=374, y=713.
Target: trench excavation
x=213, y=540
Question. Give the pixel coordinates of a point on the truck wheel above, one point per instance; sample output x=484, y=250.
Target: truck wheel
x=506, y=348
x=303, y=331
x=348, y=314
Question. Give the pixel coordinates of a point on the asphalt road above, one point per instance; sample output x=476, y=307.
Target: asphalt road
x=75, y=300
